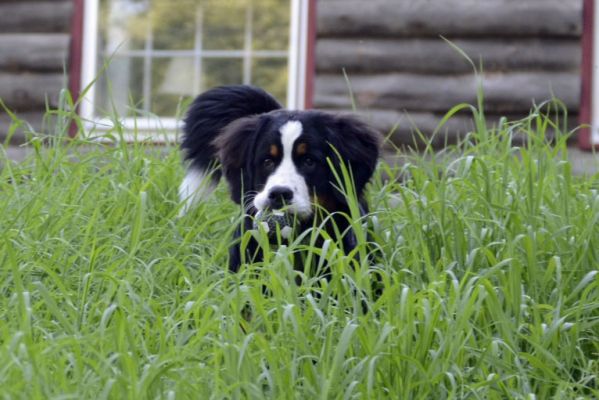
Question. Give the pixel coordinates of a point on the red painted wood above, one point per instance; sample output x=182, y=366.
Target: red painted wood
x=310, y=56
x=75, y=55
x=586, y=92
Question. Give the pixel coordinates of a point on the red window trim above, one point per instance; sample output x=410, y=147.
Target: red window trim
x=586, y=90
x=76, y=52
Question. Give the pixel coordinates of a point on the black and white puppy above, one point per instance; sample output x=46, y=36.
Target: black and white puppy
x=274, y=159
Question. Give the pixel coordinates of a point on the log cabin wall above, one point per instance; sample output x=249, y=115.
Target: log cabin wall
x=402, y=72
x=34, y=44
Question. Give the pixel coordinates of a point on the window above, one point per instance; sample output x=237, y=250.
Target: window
x=145, y=60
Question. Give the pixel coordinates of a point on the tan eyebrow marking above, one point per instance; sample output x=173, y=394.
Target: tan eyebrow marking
x=301, y=149
x=274, y=150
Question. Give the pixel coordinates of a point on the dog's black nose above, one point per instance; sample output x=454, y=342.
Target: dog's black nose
x=280, y=196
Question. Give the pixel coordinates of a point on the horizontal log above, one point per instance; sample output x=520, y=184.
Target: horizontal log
x=437, y=56
x=25, y=92
x=408, y=129
x=36, y=16
x=450, y=18
x=34, y=51
x=512, y=92
x=583, y=163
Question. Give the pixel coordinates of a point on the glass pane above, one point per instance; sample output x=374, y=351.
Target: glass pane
x=172, y=83
x=154, y=64
x=123, y=25
x=120, y=89
x=221, y=71
x=223, y=24
x=271, y=25
x=271, y=75
x=174, y=24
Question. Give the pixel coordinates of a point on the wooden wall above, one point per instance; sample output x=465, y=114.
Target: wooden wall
x=34, y=44
x=401, y=71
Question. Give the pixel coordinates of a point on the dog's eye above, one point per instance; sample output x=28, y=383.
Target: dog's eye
x=308, y=162
x=268, y=164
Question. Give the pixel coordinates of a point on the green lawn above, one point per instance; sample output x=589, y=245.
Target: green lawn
x=488, y=257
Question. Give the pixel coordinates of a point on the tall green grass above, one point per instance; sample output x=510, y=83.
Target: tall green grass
x=487, y=253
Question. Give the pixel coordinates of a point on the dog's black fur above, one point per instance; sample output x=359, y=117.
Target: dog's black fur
x=239, y=129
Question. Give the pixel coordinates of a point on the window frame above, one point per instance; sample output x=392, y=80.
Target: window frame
x=588, y=137
x=83, y=72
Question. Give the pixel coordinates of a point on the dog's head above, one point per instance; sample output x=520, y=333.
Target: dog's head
x=288, y=159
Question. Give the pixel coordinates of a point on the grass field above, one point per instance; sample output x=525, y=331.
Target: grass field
x=488, y=255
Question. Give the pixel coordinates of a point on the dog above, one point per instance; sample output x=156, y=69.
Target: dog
x=276, y=161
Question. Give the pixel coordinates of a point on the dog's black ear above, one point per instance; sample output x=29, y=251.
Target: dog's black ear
x=355, y=144
x=214, y=109
x=235, y=147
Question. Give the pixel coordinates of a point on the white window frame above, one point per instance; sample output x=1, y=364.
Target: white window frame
x=154, y=128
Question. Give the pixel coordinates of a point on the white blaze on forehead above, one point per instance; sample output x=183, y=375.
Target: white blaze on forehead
x=289, y=134
x=287, y=175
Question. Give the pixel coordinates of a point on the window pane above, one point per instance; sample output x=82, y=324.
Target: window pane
x=223, y=25
x=123, y=25
x=271, y=75
x=174, y=24
x=120, y=89
x=162, y=52
x=271, y=25
x=221, y=71
x=172, y=83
